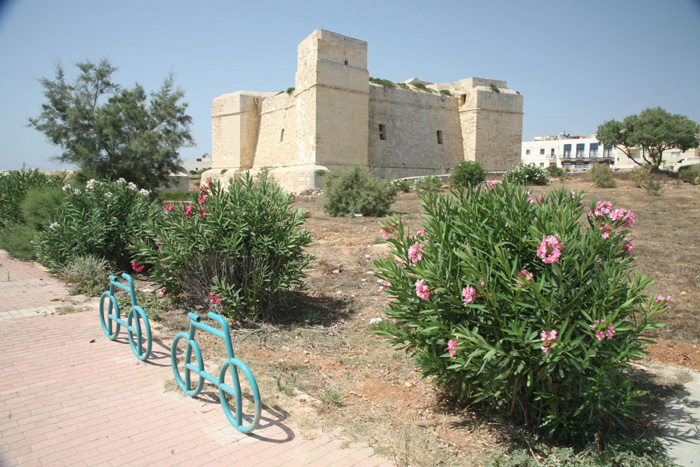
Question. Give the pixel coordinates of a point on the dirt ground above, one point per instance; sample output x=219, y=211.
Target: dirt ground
x=326, y=369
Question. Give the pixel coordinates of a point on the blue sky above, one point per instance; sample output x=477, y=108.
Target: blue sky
x=576, y=63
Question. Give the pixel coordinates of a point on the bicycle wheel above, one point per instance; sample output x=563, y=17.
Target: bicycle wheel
x=111, y=317
x=246, y=396
x=139, y=316
x=186, y=385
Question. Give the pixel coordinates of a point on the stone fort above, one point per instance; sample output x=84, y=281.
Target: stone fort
x=336, y=117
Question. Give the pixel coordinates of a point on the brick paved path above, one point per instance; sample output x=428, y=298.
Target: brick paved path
x=69, y=396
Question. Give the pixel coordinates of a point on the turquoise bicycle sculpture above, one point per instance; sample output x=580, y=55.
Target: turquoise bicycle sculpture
x=111, y=322
x=232, y=364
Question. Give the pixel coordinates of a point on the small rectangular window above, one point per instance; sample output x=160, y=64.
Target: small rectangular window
x=439, y=136
x=542, y=151
x=382, y=131
x=346, y=62
x=527, y=152
x=552, y=151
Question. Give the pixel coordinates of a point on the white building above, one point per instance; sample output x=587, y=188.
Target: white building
x=578, y=152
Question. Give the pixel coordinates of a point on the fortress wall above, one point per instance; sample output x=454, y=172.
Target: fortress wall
x=411, y=123
x=277, y=138
x=492, y=124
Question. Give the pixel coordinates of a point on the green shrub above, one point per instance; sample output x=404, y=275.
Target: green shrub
x=555, y=171
x=495, y=89
x=173, y=196
x=402, y=85
x=639, y=175
x=88, y=275
x=100, y=220
x=601, y=176
x=445, y=92
x=383, y=82
x=402, y=185
x=39, y=205
x=422, y=87
x=468, y=174
x=690, y=174
x=526, y=174
x=429, y=184
x=514, y=303
x=17, y=239
x=356, y=191
x=240, y=247
x=14, y=187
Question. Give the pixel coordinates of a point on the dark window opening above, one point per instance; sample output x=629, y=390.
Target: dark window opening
x=580, y=148
x=464, y=99
x=346, y=62
x=439, y=136
x=542, y=151
x=382, y=131
x=282, y=135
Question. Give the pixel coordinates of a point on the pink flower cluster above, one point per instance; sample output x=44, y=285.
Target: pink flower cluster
x=169, y=207
x=213, y=299
x=469, y=293
x=661, y=298
x=601, y=331
x=189, y=210
x=389, y=228
x=602, y=208
x=628, y=248
x=452, y=347
x=623, y=214
x=525, y=275
x=414, y=253
x=548, y=339
x=422, y=290
x=384, y=285
x=137, y=267
x=162, y=292
x=550, y=249
x=605, y=229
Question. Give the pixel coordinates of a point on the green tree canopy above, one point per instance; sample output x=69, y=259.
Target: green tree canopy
x=113, y=132
x=652, y=131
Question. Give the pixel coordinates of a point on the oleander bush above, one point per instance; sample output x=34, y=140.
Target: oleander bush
x=554, y=171
x=601, y=176
x=403, y=185
x=357, y=191
x=467, y=174
x=429, y=184
x=100, y=220
x=526, y=174
x=240, y=247
x=527, y=306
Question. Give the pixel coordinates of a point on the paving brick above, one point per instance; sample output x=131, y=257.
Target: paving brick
x=65, y=400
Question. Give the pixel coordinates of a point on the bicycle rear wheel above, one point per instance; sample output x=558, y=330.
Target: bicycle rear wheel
x=111, y=317
x=186, y=385
x=138, y=316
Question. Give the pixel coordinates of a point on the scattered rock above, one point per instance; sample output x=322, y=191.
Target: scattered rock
x=336, y=271
x=375, y=320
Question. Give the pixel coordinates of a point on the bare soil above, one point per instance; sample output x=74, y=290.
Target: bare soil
x=324, y=368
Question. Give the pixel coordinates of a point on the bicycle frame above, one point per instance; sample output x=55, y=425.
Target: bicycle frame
x=232, y=362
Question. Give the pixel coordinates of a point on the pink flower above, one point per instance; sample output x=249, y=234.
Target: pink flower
x=383, y=233
x=605, y=235
x=661, y=298
x=601, y=330
x=137, y=267
x=162, y=292
x=384, y=285
x=550, y=249
x=525, y=274
x=548, y=339
x=468, y=293
x=600, y=335
x=169, y=207
x=213, y=299
x=623, y=214
x=422, y=290
x=452, y=347
x=189, y=210
x=421, y=233
x=628, y=248
x=602, y=208
x=202, y=200
x=610, y=332
x=414, y=253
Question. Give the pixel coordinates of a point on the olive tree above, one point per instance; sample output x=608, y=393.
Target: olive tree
x=652, y=131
